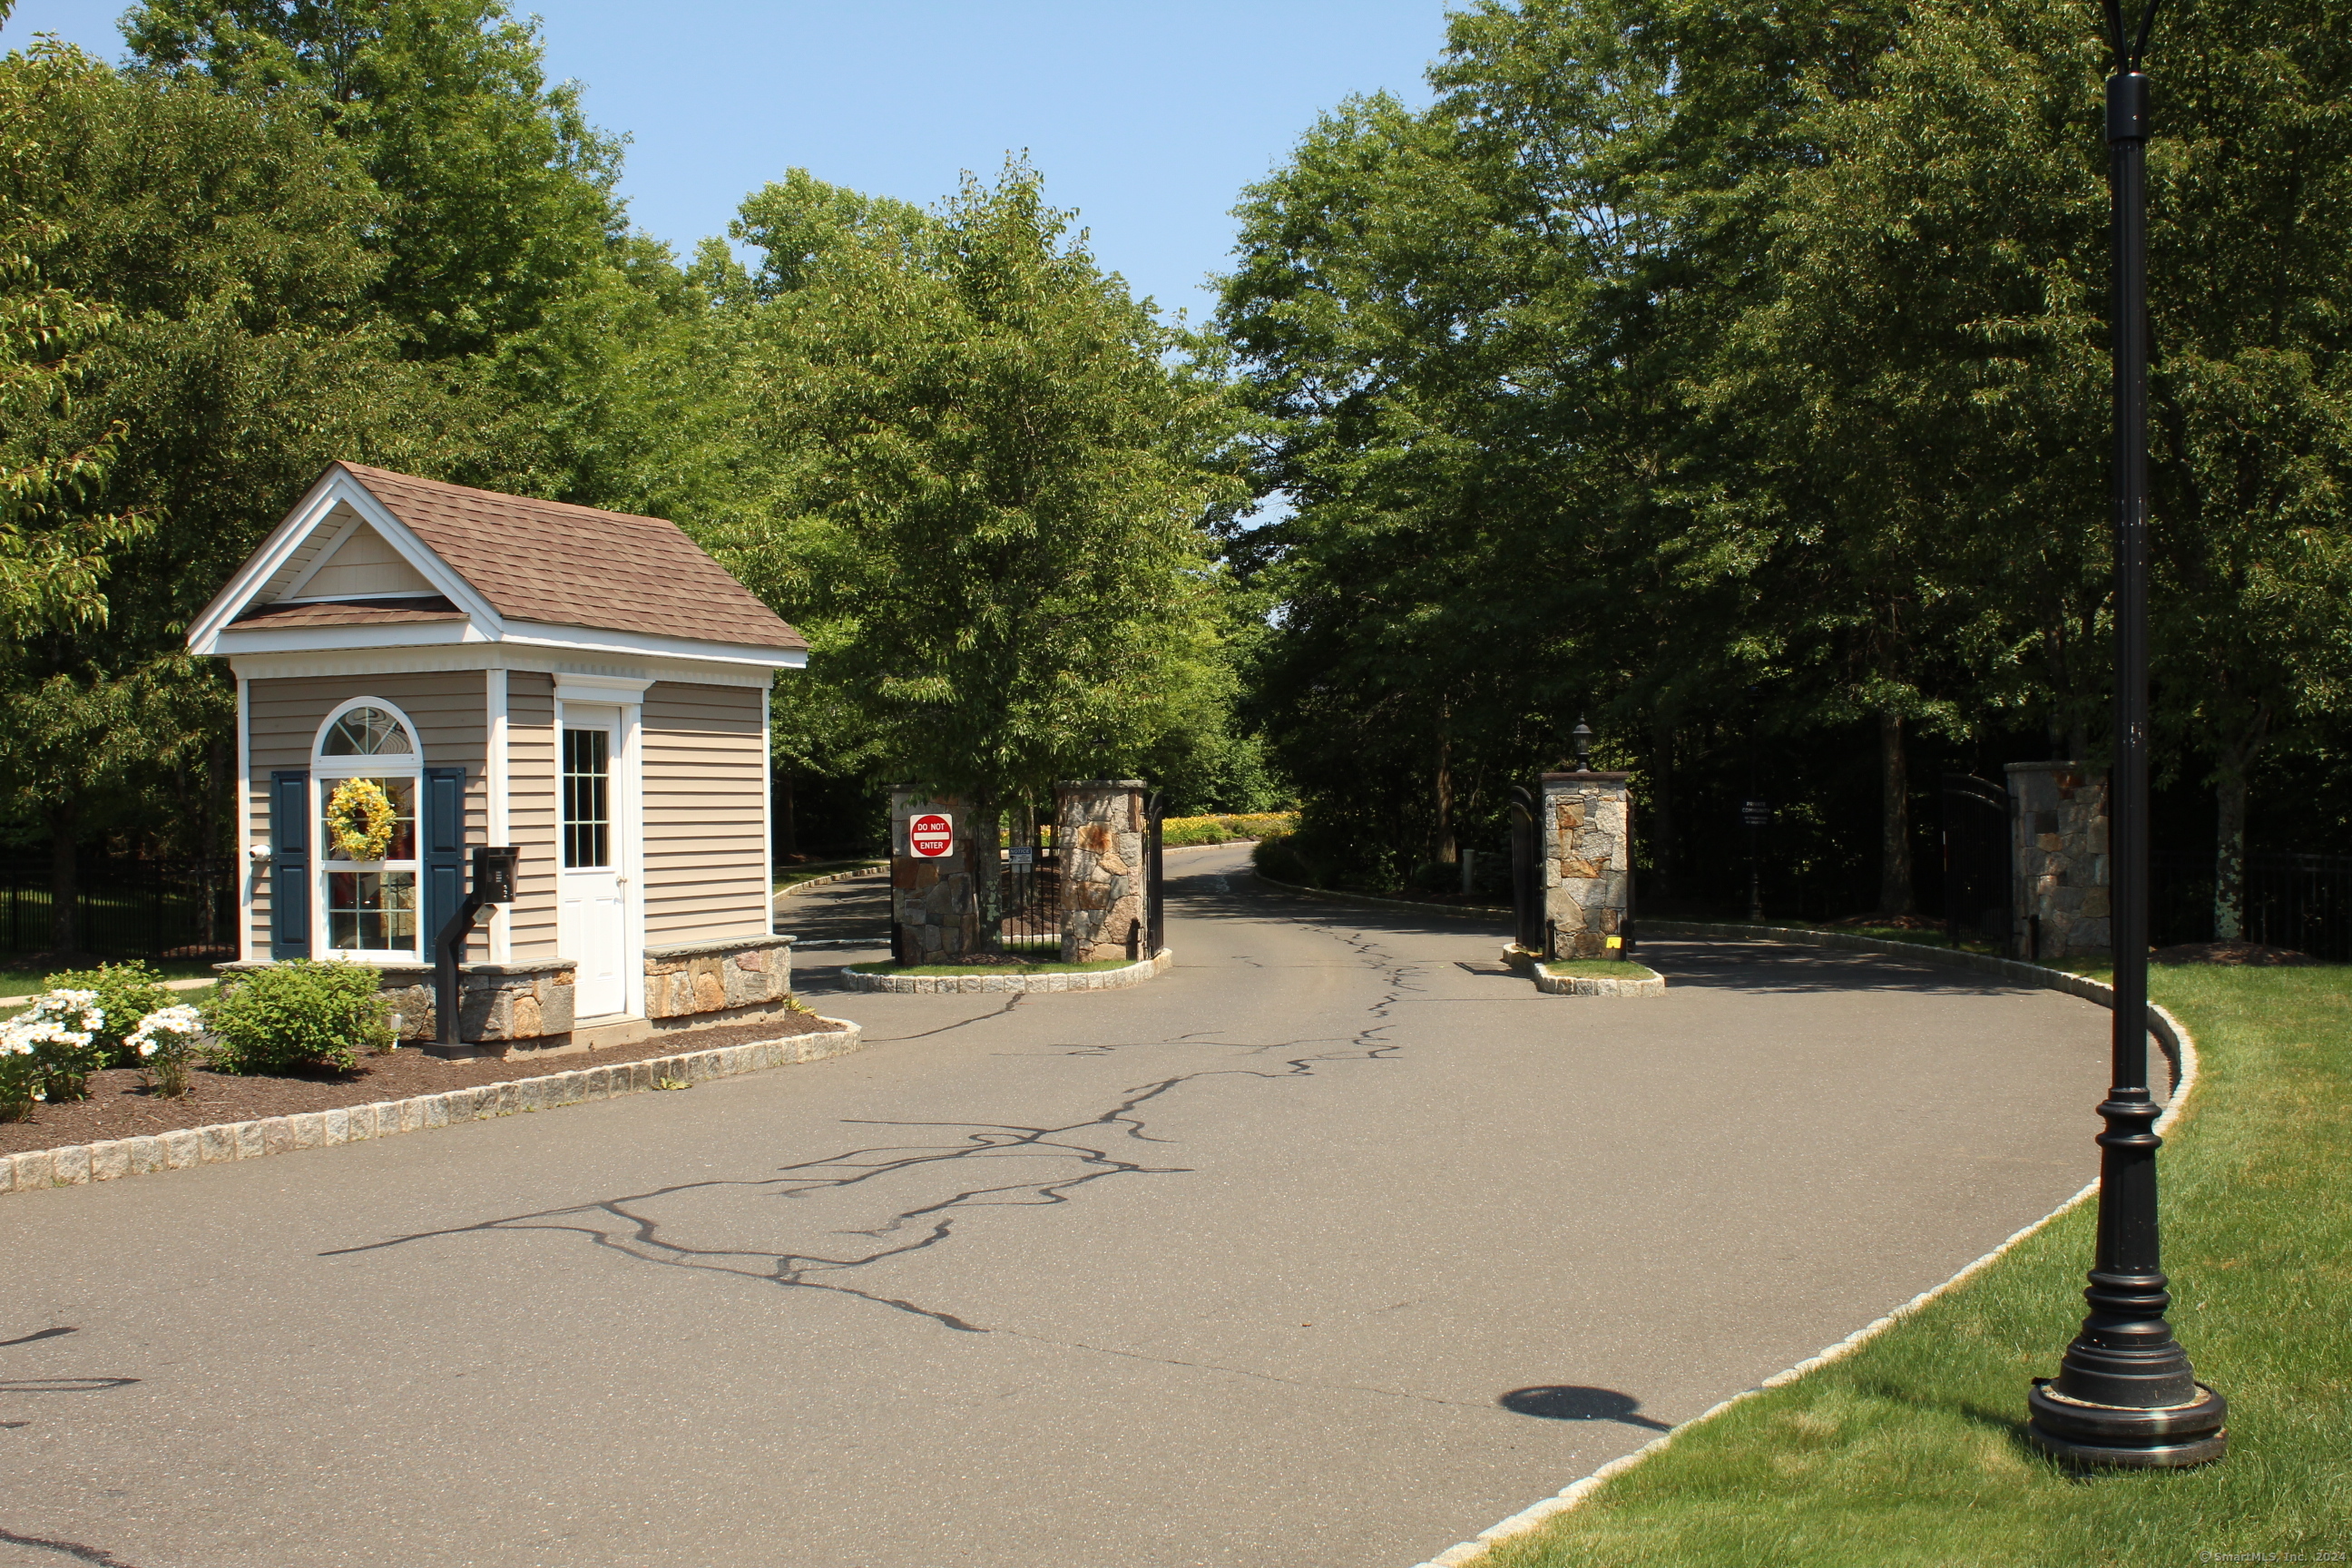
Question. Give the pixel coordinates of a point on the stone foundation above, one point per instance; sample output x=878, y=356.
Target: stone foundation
x=1105, y=873
x=2059, y=846
x=687, y=983
x=500, y=1004
x=1584, y=826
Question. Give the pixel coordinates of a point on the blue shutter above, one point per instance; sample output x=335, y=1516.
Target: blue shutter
x=442, y=844
x=289, y=864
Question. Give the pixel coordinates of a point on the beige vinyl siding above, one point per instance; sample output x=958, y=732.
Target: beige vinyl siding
x=530, y=812
x=364, y=563
x=705, y=778
x=446, y=707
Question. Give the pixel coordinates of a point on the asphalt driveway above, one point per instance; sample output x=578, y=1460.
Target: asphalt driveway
x=1328, y=1247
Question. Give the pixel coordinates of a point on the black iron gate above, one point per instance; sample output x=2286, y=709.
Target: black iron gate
x=1155, y=912
x=1030, y=895
x=1526, y=872
x=1979, y=896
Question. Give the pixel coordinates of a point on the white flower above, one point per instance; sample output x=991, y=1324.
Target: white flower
x=181, y=1020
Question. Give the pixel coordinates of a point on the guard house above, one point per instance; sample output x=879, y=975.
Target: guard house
x=422, y=667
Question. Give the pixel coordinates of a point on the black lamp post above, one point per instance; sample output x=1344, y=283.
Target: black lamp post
x=2124, y=1394
x=1582, y=735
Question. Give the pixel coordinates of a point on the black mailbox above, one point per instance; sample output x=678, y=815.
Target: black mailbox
x=494, y=873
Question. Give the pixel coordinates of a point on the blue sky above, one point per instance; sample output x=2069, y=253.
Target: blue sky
x=1148, y=120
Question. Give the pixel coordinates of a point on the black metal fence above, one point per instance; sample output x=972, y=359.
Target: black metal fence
x=1031, y=896
x=1979, y=876
x=2298, y=901
x=126, y=908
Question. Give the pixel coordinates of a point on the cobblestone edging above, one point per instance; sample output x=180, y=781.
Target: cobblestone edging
x=1582, y=985
x=78, y=1163
x=1082, y=980
x=832, y=877
x=2180, y=1048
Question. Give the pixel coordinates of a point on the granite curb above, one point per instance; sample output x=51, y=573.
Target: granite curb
x=78, y=1163
x=1080, y=980
x=878, y=866
x=1582, y=985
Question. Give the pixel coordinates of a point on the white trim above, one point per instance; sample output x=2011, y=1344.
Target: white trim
x=339, y=765
x=494, y=784
x=632, y=897
x=267, y=639
x=302, y=639
x=288, y=665
x=337, y=486
x=618, y=689
x=246, y=871
x=767, y=809
x=324, y=770
x=595, y=640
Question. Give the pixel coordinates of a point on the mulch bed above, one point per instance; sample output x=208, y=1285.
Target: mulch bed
x=2253, y=955
x=122, y=1106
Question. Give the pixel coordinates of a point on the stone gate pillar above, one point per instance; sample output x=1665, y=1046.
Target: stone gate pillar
x=1585, y=831
x=2058, y=829
x=931, y=900
x=1099, y=836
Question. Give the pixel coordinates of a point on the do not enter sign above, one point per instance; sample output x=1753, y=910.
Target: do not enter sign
x=931, y=835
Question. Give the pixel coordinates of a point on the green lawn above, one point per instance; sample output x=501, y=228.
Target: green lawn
x=1911, y=1451
x=1041, y=966
x=17, y=981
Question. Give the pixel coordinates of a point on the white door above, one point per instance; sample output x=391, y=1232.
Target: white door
x=589, y=899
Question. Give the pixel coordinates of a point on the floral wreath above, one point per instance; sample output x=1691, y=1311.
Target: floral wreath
x=361, y=819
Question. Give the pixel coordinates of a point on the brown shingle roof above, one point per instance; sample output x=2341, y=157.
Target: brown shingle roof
x=353, y=612
x=567, y=565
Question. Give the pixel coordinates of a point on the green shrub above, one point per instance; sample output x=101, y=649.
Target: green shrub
x=1285, y=860
x=126, y=993
x=48, y=1051
x=300, y=1015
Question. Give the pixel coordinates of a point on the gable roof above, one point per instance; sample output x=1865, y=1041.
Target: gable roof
x=384, y=554
x=575, y=566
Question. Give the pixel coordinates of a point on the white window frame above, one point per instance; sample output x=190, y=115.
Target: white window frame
x=326, y=772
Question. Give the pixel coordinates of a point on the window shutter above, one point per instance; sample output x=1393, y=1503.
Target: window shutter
x=289, y=864
x=441, y=860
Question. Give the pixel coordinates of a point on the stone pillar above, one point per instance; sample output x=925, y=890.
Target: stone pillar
x=1586, y=836
x=2059, y=849
x=931, y=900
x=1099, y=836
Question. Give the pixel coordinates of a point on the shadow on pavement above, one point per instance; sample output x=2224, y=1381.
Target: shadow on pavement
x=1572, y=1402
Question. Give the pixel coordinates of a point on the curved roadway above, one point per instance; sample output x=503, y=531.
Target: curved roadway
x=1332, y=1246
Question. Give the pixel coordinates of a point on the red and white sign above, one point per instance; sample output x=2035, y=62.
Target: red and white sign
x=931, y=835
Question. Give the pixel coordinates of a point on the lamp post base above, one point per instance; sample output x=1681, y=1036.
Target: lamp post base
x=2168, y=1437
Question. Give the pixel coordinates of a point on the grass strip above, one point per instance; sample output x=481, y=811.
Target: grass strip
x=1042, y=967
x=1601, y=969
x=1912, y=1450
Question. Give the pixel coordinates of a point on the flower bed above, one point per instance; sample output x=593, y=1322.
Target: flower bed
x=121, y=1105
x=1179, y=832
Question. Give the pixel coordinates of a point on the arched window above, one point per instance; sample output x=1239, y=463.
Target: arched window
x=365, y=768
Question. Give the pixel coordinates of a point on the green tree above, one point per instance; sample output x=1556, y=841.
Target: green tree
x=221, y=243
x=993, y=472
x=497, y=193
